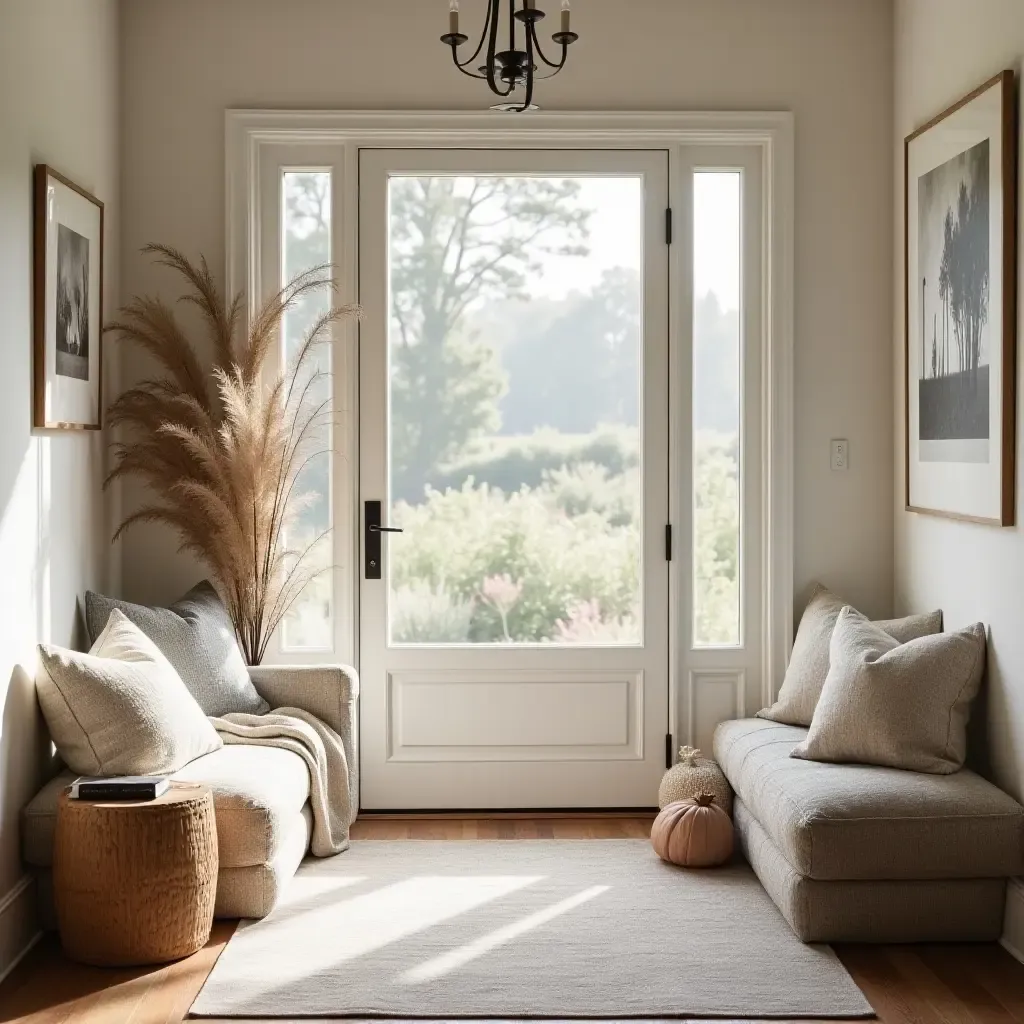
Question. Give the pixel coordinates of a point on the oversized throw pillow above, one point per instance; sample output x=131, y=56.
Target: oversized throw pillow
x=808, y=664
x=197, y=637
x=121, y=709
x=899, y=705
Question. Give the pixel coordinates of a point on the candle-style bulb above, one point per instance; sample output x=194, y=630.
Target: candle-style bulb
x=453, y=6
x=453, y=17
x=565, y=15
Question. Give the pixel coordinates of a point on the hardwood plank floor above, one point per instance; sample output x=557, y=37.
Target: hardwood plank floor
x=937, y=984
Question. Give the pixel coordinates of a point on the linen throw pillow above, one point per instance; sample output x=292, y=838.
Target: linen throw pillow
x=121, y=709
x=808, y=663
x=197, y=637
x=898, y=705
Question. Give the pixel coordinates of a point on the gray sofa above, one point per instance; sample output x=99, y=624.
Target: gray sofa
x=260, y=795
x=854, y=853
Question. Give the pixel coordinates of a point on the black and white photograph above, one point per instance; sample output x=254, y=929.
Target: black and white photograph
x=67, y=304
x=960, y=331
x=953, y=254
x=72, y=311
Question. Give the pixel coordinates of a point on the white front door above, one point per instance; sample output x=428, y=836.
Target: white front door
x=513, y=370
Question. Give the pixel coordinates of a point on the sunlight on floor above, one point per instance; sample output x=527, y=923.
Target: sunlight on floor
x=457, y=958
x=376, y=919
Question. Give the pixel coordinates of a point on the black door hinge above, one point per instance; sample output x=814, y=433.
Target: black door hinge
x=668, y=226
x=668, y=750
x=668, y=542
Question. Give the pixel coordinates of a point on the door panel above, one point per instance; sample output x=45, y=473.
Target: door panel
x=514, y=715
x=513, y=407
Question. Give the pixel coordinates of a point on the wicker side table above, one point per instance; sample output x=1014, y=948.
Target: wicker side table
x=134, y=883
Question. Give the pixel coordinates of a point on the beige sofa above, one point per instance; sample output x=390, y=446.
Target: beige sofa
x=261, y=795
x=853, y=853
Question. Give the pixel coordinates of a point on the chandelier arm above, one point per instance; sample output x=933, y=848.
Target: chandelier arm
x=479, y=46
x=470, y=74
x=551, y=74
x=492, y=47
x=540, y=50
x=529, y=72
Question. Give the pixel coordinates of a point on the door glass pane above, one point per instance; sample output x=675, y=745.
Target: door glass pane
x=514, y=347
x=306, y=222
x=716, y=408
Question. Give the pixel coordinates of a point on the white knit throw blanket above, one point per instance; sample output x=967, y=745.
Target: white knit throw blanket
x=321, y=748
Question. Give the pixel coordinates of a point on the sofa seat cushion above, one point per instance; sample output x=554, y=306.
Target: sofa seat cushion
x=834, y=821
x=254, y=891
x=258, y=793
x=872, y=910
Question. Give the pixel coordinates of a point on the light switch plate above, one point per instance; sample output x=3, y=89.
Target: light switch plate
x=840, y=453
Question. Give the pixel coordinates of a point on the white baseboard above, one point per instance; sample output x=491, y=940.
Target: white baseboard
x=19, y=924
x=1013, y=920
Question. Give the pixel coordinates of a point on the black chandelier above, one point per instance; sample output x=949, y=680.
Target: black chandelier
x=517, y=65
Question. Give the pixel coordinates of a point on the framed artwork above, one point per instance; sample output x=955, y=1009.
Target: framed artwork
x=961, y=308
x=67, y=300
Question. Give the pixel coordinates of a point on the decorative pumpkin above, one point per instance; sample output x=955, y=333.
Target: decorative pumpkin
x=693, y=833
x=692, y=775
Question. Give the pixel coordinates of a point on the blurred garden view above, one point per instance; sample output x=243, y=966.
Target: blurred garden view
x=515, y=413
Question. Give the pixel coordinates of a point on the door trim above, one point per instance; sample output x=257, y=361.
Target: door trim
x=251, y=133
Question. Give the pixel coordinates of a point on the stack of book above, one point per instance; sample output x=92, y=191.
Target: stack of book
x=125, y=787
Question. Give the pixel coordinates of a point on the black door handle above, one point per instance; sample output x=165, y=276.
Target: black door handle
x=371, y=539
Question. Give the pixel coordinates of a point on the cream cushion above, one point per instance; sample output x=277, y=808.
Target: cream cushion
x=258, y=793
x=808, y=663
x=121, y=709
x=834, y=821
x=254, y=891
x=898, y=705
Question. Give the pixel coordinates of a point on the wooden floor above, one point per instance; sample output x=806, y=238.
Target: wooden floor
x=964, y=984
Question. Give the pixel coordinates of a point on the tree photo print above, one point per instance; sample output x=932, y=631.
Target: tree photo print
x=953, y=253
x=961, y=308
x=72, y=319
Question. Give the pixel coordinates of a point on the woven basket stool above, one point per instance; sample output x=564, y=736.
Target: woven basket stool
x=134, y=883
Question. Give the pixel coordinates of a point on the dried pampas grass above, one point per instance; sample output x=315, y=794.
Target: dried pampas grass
x=221, y=449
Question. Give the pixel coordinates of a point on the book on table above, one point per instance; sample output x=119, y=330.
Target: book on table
x=125, y=787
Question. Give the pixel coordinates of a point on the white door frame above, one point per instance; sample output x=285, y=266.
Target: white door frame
x=250, y=134
x=593, y=717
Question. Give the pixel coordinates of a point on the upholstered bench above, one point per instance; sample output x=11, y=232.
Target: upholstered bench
x=854, y=853
x=260, y=796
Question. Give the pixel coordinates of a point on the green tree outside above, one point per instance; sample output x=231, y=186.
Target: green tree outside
x=514, y=423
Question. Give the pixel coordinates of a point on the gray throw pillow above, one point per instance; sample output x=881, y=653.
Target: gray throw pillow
x=121, y=709
x=898, y=705
x=808, y=664
x=197, y=637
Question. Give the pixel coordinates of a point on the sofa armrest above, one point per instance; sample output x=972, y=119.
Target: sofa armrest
x=330, y=692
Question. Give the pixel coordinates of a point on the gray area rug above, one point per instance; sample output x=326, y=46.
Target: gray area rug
x=523, y=928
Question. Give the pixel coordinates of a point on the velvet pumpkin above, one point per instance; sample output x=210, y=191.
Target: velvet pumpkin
x=693, y=833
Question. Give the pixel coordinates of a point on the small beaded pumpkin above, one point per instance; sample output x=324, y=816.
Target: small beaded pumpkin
x=692, y=775
x=693, y=833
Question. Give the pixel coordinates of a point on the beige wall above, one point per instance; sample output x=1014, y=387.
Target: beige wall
x=943, y=49
x=59, y=104
x=829, y=61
